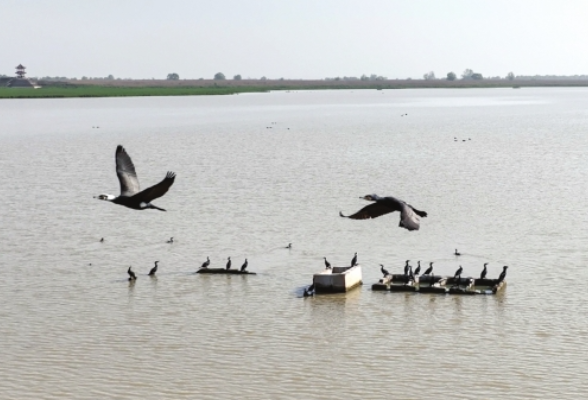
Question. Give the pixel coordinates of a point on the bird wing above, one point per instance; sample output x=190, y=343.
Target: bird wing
x=157, y=190
x=409, y=219
x=125, y=170
x=373, y=210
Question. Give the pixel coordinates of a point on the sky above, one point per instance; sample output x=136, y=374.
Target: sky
x=293, y=39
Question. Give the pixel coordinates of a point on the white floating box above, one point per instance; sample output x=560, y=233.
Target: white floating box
x=337, y=280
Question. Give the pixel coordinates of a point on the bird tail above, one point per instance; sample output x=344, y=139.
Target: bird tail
x=156, y=208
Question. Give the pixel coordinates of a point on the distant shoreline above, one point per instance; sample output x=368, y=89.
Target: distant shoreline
x=138, y=88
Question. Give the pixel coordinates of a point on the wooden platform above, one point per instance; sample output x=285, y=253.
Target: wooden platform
x=439, y=284
x=223, y=271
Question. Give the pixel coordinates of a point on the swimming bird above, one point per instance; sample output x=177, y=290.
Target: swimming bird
x=130, y=194
x=484, y=272
x=418, y=268
x=502, y=274
x=244, y=266
x=409, y=216
x=456, y=253
x=458, y=273
x=289, y=246
x=429, y=270
x=154, y=269
x=132, y=276
x=309, y=291
x=171, y=240
x=354, y=260
x=228, y=263
x=206, y=263
x=384, y=271
x=406, y=267
x=327, y=264
x=102, y=240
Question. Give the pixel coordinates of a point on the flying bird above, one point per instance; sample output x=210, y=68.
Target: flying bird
x=409, y=216
x=154, y=269
x=130, y=194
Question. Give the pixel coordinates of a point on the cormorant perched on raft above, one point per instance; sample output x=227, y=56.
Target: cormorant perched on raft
x=228, y=263
x=354, y=260
x=154, y=269
x=409, y=216
x=171, y=240
x=327, y=264
x=484, y=272
x=244, y=266
x=429, y=270
x=406, y=267
x=502, y=274
x=457, y=253
x=384, y=270
x=132, y=276
x=131, y=195
x=206, y=263
x=418, y=268
x=458, y=273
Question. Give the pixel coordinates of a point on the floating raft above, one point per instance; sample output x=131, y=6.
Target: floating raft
x=223, y=271
x=439, y=284
x=337, y=280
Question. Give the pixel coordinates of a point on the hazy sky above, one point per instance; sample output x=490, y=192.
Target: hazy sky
x=293, y=38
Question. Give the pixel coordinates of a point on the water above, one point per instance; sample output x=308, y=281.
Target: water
x=71, y=326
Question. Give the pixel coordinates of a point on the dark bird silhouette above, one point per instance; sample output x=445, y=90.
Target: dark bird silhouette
x=458, y=273
x=171, y=240
x=244, y=266
x=418, y=268
x=132, y=276
x=456, y=253
x=406, y=267
x=309, y=291
x=206, y=263
x=429, y=270
x=102, y=240
x=354, y=260
x=228, y=263
x=289, y=246
x=484, y=272
x=327, y=264
x=502, y=274
x=410, y=277
x=130, y=194
x=409, y=216
x=384, y=271
x=154, y=269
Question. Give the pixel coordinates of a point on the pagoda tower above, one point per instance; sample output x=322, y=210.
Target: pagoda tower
x=20, y=71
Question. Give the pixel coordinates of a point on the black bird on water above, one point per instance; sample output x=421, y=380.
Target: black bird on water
x=171, y=240
x=244, y=266
x=384, y=270
x=429, y=270
x=102, y=240
x=458, y=273
x=484, y=272
x=289, y=246
x=131, y=195
x=206, y=263
x=409, y=216
x=354, y=260
x=309, y=291
x=132, y=276
x=456, y=253
x=502, y=274
x=228, y=263
x=406, y=267
x=327, y=264
x=154, y=269
x=418, y=268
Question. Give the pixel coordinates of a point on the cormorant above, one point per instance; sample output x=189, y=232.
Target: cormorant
x=102, y=240
x=327, y=264
x=458, y=273
x=457, y=253
x=228, y=263
x=410, y=277
x=406, y=267
x=132, y=276
x=418, y=268
x=130, y=194
x=409, y=216
x=206, y=263
x=484, y=272
x=154, y=269
x=354, y=260
x=309, y=291
x=429, y=270
x=289, y=246
x=384, y=271
x=244, y=266
x=502, y=274
x=171, y=240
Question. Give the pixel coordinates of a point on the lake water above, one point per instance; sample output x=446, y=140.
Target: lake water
x=257, y=171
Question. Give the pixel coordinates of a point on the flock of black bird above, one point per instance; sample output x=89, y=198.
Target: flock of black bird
x=133, y=197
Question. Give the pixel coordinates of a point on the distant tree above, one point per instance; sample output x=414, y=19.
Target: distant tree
x=451, y=76
x=467, y=74
x=364, y=78
x=237, y=77
x=219, y=76
x=173, y=76
x=510, y=76
x=429, y=76
x=477, y=76
x=263, y=78
x=110, y=77
x=84, y=78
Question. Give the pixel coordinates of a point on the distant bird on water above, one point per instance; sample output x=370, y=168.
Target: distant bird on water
x=206, y=263
x=502, y=274
x=130, y=194
x=384, y=271
x=327, y=264
x=228, y=263
x=309, y=291
x=429, y=270
x=418, y=268
x=409, y=216
x=154, y=269
x=456, y=253
x=132, y=276
x=354, y=260
x=289, y=246
x=171, y=240
x=102, y=240
x=484, y=272
x=244, y=266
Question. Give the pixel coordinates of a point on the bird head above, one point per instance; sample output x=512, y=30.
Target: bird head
x=485, y=264
x=505, y=267
x=105, y=197
x=370, y=197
